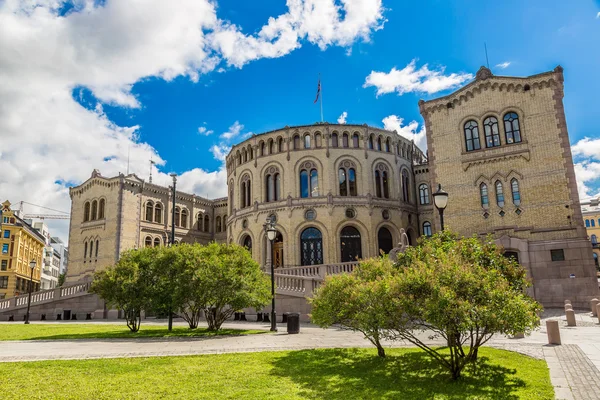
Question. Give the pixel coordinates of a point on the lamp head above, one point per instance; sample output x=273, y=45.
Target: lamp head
x=440, y=198
x=32, y=264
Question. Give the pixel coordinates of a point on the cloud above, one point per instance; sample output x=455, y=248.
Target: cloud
x=586, y=153
x=51, y=142
x=598, y=15
x=503, y=65
x=410, y=131
x=410, y=79
x=204, y=131
x=342, y=118
x=220, y=151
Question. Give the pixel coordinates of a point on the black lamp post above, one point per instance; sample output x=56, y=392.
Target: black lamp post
x=32, y=265
x=174, y=176
x=271, y=235
x=440, y=199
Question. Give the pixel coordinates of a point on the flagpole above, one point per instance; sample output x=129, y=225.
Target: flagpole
x=321, y=97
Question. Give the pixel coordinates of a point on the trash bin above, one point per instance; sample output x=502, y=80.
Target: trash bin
x=293, y=323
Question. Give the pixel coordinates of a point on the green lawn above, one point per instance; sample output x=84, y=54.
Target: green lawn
x=310, y=374
x=104, y=331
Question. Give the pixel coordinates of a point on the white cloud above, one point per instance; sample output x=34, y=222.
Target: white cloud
x=50, y=142
x=204, y=131
x=410, y=131
x=220, y=151
x=587, y=167
x=233, y=132
x=598, y=15
x=503, y=65
x=342, y=118
x=410, y=79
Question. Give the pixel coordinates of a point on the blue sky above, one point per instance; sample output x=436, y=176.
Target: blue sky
x=88, y=83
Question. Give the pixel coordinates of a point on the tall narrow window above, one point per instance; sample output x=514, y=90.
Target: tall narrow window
x=277, y=186
x=218, y=225
x=314, y=183
x=343, y=182
x=424, y=193
x=471, y=136
x=296, y=142
x=184, y=218
x=244, y=155
x=86, y=211
x=149, y=211
x=427, y=228
x=101, y=205
x=352, y=182
x=347, y=179
x=492, y=133
x=377, y=183
x=381, y=181
x=587, y=223
x=379, y=143
x=270, y=187
x=483, y=193
x=250, y=153
x=280, y=145
x=271, y=146
x=156, y=242
x=245, y=192
x=97, y=247
x=91, y=248
x=158, y=210
x=512, y=129
x=309, y=180
x=387, y=145
x=334, y=140
x=84, y=251
x=200, y=218
x=499, y=194
x=345, y=141
x=516, y=193
x=371, y=145
x=206, y=224
x=385, y=184
x=307, y=141
x=304, y=183
x=94, y=215
x=148, y=241
x=405, y=186
x=177, y=216
x=317, y=140
x=263, y=149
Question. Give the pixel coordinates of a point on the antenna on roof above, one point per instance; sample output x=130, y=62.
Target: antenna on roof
x=486, y=55
x=151, y=164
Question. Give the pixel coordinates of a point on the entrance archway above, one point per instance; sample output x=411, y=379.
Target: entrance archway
x=385, y=242
x=311, y=247
x=247, y=243
x=277, y=251
x=350, y=244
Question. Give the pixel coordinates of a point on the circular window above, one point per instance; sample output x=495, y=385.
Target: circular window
x=385, y=214
x=310, y=215
x=273, y=217
x=350, y=213
x=245, y=223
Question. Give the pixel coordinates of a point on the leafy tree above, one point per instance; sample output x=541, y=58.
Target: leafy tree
x=61, y=279
x=127, y=285
x=356, y=301
x=189, y=292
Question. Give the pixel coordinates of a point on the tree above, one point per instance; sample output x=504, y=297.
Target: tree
x=225, y=280
x=189, y=290
x=127, y=285
x=354, y=301
x=61, y=279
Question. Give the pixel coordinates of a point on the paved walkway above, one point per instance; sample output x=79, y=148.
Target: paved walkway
x=574, y=366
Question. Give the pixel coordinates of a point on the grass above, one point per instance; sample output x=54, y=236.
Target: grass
x=309, y=374
x=105, y=331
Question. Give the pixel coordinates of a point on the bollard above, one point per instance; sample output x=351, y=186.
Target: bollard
x=553, y=332
x=59, y=317
x=88, y=316
x=266, y=317
x=236, y=316
x=293, y=323
x=259, y=317
x=593, y=304
x=43, y=317
x=243, y=316
x=568, y=307
x=567, y=302
x=571, y=318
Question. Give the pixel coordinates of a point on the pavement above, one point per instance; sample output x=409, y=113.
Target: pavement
x=574, y=366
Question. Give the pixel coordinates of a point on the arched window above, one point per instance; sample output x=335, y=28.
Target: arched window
x=345, y=141
x=97, y=247
x=245, y=192
x=516, y=193
x=296, y=142
x=350, y=245
x=206, y=224
x=347, y=179
x=424, y=193
x=94, y=215
x=84, y=251
x=381, y=181
x=334, y=140
x=385, y=242
x=86, y=211
x=224, y=223
x=483, y=192
x=377, y=183
x=311, y=247
x=343, y=182
x=594, y=239
x=307, y=141
x=405, y=186
x=250, y=153
x=317, y=140
x=471, y=136
x=280, y=145
x=156, y=242
x=309, y=180
x=149, y=211
x=218, y=224
x=387, y=145
x=184, y=218
x=91, y=248
x=371, y=145
x=427, y=228
x=593, y=222
x=492, y=133
x=101, y=205
x=158, y=210
x=512, y=129
x=272, y=185
x=199, y=219
x=263, y=148
x=587, y=223
x=244, y=155
x=271, y=146
x=499, y=194
x=247, y=243
x=177, y=221
x=148, y=242
x=379, y=143
x=239, y=157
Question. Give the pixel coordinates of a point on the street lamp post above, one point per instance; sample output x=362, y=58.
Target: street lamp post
x=271, y=234
x=440, y=199
x=174, y=176
x=32, y=265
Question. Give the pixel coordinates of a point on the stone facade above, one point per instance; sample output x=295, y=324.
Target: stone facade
x=591, y=216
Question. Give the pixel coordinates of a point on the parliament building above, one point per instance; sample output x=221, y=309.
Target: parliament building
x=338, y=193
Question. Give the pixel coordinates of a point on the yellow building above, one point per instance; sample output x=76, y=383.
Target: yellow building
x=591, y=215
x=19, y=245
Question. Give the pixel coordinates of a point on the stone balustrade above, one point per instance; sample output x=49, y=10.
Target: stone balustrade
x=45, y=296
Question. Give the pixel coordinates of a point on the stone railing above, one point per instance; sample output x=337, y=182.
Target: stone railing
x=341, y=268
x=318, y=270
x=297, y=286
x=45, y=296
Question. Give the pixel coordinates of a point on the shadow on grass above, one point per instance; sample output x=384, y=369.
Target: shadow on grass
x=176, y=333
x=407, y=374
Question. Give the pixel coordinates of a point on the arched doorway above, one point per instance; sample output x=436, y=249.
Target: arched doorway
x=247, y=243
x=350, y=244
x=311, y=247
x=385, y=242
x=277, y=251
